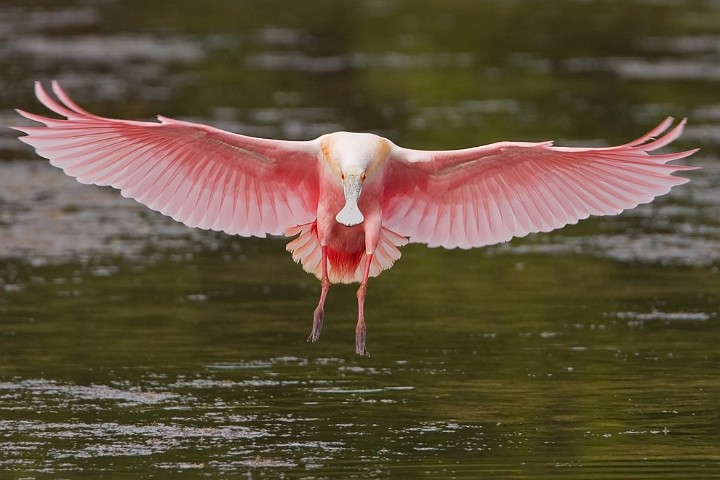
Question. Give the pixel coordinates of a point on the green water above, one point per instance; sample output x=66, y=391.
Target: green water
x=133, y=347
x=556, y=365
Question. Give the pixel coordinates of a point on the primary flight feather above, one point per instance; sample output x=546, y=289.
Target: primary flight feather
x=351, y=198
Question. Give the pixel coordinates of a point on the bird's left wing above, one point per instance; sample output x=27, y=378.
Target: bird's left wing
x=489, y=194
x=199, y=175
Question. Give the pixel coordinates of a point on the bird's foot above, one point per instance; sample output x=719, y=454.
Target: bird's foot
x=318, y=318
x=360, y=347
x=362, y=351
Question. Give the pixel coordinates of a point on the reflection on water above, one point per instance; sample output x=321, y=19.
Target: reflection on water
x=132, y=347
x=310, y=416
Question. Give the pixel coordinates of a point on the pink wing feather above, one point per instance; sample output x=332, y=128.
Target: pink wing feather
x=196, y=174
x=490, y=194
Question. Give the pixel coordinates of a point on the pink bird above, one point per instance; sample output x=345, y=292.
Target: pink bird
x=351, y=198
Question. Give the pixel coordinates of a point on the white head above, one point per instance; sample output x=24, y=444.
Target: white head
x=354, y=157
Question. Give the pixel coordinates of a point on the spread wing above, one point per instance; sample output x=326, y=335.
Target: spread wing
x=489, y=194
x=196, y=174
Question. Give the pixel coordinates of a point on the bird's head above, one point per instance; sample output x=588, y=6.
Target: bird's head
x=354, y=157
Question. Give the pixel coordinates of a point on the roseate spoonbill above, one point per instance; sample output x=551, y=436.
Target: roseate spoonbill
x=351, y=198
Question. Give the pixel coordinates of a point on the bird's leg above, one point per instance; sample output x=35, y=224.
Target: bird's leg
x=361, y=329
x=319, y=314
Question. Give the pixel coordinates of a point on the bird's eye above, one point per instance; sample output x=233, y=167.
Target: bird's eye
x=342, y=175
x=363, y=177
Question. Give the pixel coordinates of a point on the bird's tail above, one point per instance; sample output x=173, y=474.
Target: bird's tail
x=306, y=251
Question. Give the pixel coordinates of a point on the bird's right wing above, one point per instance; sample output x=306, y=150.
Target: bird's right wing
x=492, y=193
x=199, y=175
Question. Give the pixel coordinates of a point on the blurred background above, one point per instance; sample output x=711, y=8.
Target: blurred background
x=132, y=345
x=425, y=73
